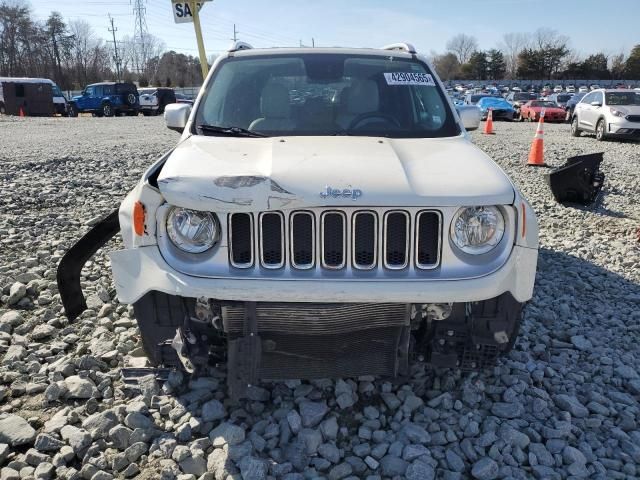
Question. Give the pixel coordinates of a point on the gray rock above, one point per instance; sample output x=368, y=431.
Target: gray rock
x=581, y=343
x=542, y=454
x=77, y=438
x=311, y=438
x=312, y=413
x=46, y=442
x=99, y=424
x=572, y=405
x=16, y=431
x=227, y=434
x=80, y=388
x=485, y=469
x=195, y=465
x=138, y=420
x=454, y=461
x=330, y=452
x=627, y=372
x=294, y=420
x=573, y=455
x=507, y=410
x=252, y=468
x=44, y=471
x=419, y=470
x=415, y=433
x=213, y=410
x=392, y=466
x=340, y=471
x=16, y=293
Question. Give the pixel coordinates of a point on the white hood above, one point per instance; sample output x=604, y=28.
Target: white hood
x=255, y=174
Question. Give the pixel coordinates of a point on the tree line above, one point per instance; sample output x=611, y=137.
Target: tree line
x=543, y=54
x=73, y=55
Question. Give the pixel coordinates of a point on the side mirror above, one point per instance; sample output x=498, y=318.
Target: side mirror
x=596, y=104
x=470, y=116
x=176, y=116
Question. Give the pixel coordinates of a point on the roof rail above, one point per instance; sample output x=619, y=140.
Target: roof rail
x=235, y=46
x=407, y=47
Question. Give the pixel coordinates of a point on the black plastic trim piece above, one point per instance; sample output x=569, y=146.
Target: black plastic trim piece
x=70, y=267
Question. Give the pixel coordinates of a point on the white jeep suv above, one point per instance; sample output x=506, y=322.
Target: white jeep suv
x=608, y=113
x=324, y=214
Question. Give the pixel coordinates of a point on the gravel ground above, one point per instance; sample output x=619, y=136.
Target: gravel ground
x=563, y=404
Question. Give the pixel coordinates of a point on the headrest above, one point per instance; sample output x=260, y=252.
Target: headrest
x=274, y=101
x=363, y=98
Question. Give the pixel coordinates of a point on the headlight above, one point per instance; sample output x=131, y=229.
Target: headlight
x=477, y=230
x=191, y=230
x=616, y=112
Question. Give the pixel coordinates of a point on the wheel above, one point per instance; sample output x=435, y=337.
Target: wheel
x=575, y=131
x=3, y=110
x=601, y=134
x=107, y=110
x=72, y=110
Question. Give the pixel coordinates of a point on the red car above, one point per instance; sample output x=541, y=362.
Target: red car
x=532, y=109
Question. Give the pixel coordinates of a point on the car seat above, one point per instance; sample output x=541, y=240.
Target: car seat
x=275, y=109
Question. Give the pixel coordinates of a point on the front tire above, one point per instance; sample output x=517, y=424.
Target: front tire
x=601, y=134
x=72, y=110
x=575, y=130
x=107, y=110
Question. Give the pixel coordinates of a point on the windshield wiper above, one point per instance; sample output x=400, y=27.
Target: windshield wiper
x=231, y=131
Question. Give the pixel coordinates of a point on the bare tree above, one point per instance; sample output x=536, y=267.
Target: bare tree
x=463, y=46
x=511, y=46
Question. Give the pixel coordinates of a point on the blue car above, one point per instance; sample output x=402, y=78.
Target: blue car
x=502, y=110
x=106, y=100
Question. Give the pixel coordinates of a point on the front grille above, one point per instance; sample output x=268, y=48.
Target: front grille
x=633, y=118
x=336, y=240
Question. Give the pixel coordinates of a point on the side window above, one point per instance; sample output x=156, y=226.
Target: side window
x=98, y=91
x=91, y=91
x=107, y=90
x=588, y=98
x=598, y=97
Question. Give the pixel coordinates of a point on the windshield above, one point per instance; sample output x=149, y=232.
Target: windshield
x=543, y=104
x=523, y=96
x=327, y=94
x=56, y=91
x=622, y=98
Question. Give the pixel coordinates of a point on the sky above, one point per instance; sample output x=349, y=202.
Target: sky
x=427, y=24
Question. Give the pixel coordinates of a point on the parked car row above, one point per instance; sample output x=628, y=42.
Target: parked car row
x=114, y=98
x=42, y=97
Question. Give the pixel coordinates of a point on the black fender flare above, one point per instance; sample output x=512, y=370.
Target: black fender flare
x=70, y=267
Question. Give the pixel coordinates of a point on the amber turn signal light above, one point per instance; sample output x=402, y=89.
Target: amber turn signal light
x=138, y=218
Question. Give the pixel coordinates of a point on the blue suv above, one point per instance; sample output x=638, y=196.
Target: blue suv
x=106, y=100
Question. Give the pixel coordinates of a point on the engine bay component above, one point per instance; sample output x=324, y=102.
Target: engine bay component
x=579, y=180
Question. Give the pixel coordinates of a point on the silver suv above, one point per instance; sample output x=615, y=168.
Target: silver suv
x=608, y=113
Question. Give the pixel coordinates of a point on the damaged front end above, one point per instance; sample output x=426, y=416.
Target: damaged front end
x=269, y=340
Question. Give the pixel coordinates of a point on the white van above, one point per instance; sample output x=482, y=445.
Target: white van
x=59, y=100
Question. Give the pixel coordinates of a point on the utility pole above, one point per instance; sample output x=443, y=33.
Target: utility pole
x=313, y=42
x=235, y=33
x=113, y=30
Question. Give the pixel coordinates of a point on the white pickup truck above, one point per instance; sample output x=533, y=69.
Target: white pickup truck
x=324, y=214
x=154, y=100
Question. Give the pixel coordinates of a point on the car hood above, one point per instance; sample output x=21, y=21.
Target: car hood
x=547, y=109
x=255, y=174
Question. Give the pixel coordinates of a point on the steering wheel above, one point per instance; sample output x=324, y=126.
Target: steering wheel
x=367, y=115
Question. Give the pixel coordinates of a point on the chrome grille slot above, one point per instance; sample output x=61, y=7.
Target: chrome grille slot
x=365, y=240
x=428, y=232
x=303, y=245
x=241, y=240
x=272, y=240
x=396, y=239
x=333, y=240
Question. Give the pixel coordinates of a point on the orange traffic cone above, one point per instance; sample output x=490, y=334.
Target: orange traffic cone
x=21, y=112
x=536, y=154
x=488, y=126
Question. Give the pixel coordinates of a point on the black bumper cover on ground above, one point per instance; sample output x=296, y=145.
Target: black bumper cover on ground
x=70, y=267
